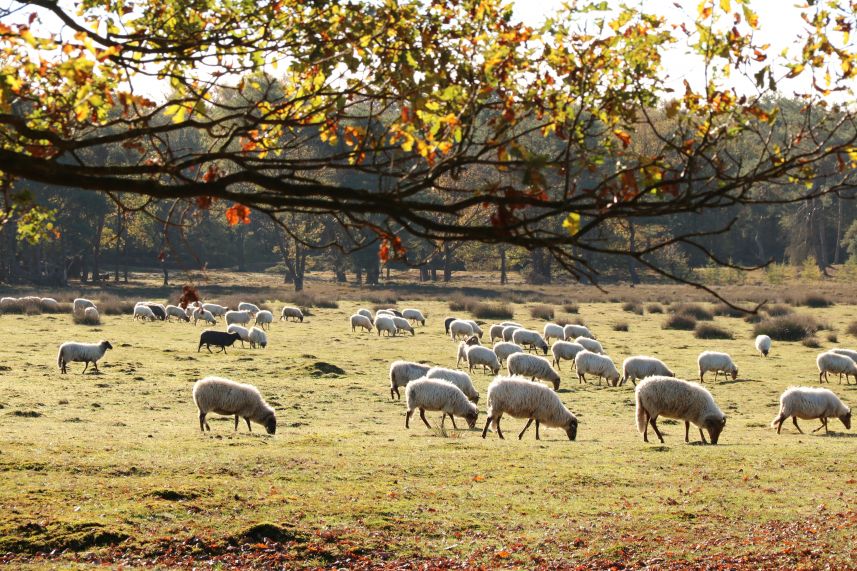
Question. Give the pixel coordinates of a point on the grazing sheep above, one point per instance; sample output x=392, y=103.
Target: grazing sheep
x=534, y=367
x=504, y=348
x=142, y=312
x=239, y=317
x=90, y=314
x=72, y=351
x=201, y=314
x=258, y=337
x=476, y=329
x=395, y=312
x=520, y=398
x=158, y=310
x=574, y=331
x=220, y=339
x=447, y=322
x=49, y=304
x=385, y=323
x=365, y=312
x=565, y=350
x=360, y=320
x=403, y=324
x=249, y=307
x=509, y=330
x=640, y=367
x=438, y=395
x=682, y=400
x=831, y=362
x=496, y=332
x=176, y=311
x=590, y=345
x=717, y=362
x=293, y=313
x=263, y=318
x=478, y=355
x=554, y=331
x=588, y=362
x=507, y=323
x=242, y=331
x=215, y=309
x=848, y=353
x=530, y=339
x=222, y=396
x=458, y=378
x=414, y=315
x=8, y=300
x=388, y=312
x=460, y=328
x=80, y=304
x=402, y=373
x=763, y=344
x=808, y=403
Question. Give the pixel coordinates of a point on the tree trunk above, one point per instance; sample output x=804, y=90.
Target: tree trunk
x=118, y=242
x=837, y=249
x=503, y=277
x=242, y=258
x=358, y=275
x=300, y=267
x=447, y=262
x=632, y=249
x=96, y=249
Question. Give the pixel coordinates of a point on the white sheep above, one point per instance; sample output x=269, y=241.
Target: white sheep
x=808, y=403
x=215, y=309
x=366, y=312
x=458, y=378
x=851, y=354
x=590, y=344
x=438, y=395
x=293, y=313
x=141, y=312
x=242, y=331
x=176, y=311
x=717, y=362
x=682, y=400
x=91, y=315
x=387, y=312
x=72, y=351
x=509, y=330
x=530, y=339
x=403, y=324
x=460, y=328
x=565, y=350
x=412, y=314
x=8, y=300
x=249, y=307
x=520, y=398
x=601, y=365
x=534, y=367
x=49, y=304
x=222, y=396
x=831, y=362
x=515, y=323
x=476, y=329
x=241, y=317
x=763, y=344
x=80, y=304
x=258, y=338
x=554, y=331
x=360, y=320
x=505, y=348
x=385, y=323
x=402, y=373
x=496, y=332
x=201, y=314
x=478, y=355
x=264, y=317
x=640, y=367
x=574, y=331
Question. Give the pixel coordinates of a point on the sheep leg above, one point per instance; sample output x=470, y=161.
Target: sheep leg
x=499, y=432
x=701, y=376
x=702, y=436
x=645, y=425
x=408, y=418
x=823, y=425
x=248, y=424
x=85, y=366
x=423, y=416
x=687, y=431
x=95, y=366
x=236, y=423
x=655, y=426
x=581, y=378
x=202, y=421
x=556, y=362
x=207, y=346
x=526, y=426
x=487, y=424
x=537, y=429
x=452, y=418
x=794, y=420
x=779, y=422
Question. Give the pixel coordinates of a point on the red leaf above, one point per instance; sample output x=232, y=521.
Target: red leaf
x=384, y=251
x=204, y=202
x=406, y=114
x=237, y=213
x=623, y=136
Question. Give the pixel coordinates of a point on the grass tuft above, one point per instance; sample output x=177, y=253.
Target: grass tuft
x=542, y=311
x=711, y=331
x=682, y=322
x=621, y=326
x=492, y=310
x=794, y=327
x=814, y=300
x=633, y=307
x=693, y=310
x=655, y=308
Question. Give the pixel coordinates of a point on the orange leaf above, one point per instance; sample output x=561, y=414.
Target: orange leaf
x=623, y=136
x=238, y=213
x=478, y=478
x=503, y=554
x=384, y=251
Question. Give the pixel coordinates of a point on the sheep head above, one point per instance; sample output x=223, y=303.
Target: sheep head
x=714, y=425
x=846, y=420
x=271, y=424
x=571, y=429
x=471, y=417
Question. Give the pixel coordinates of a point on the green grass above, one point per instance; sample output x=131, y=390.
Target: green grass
x=114, y=465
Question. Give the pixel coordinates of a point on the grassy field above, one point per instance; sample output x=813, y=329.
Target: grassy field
x=112, y=467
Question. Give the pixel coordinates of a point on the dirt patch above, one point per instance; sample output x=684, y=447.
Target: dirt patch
x=5, y=368
x=320, y=368
x=174, y=496
x=35, y=538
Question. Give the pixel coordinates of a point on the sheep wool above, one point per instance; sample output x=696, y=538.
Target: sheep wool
x=215, y=309
x=293, y=313
x=530, y=339
x=72, y=351
x=681, y=400
x=80, y=304
x=243, y=332
x=717, y=362
x=91, y=314
x=176, y=311
x=365, y=312
x=476, y=329
x=414, y=315
x=222, y=396
x=258, y=338
x=249, y=307
x=763, y=345
x=590, y=344
x=402, y=373
x=509, y=330
x=403, y=324
x=831, y=362
x=458, y=378
x=438, y=395
x=640, y=367
x=240, y=317
x=504, y=348
x=385, y=323
x=600, y=365
x=263, y=318
x=360, y=320
x=142, y=312
x=476, y=355
x=520, y=398
x=533, y=366
x=574, y=331
x=565, y=350
x=201, y=314
x=460, y=328
x=808, y=403
x=554, y=331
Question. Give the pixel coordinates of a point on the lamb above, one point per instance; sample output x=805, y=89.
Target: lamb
x=478, y=355
x=590, y=344
x=239, y=317
x=520, y=398
x=72, y=351
x=215, y=309
x=458, y=378
x=176, y=311
x=574, y=331
x=414, y=315
x=763, y=344
x=403, y=324
x=831, y=362
x=222, y=396
x=640, y=367
x=242, y=331
x=263, y=318
x=717, y=362
x=258, y=337
x=220, y=339
x=360, y=320
x=808, y=403
x=554, y=331
x=436, y=394
x=402, y=373
x=682, y=400
x=292, y=312
x=496, y=332
x=249, y=307
x=91, y=315
x=533, y=366
x=588, y=362
x=565, y=350
x=385, y=323
x=80, y=304
x=509, y=330
x=143, y=312
x=201, y=314
x=365, y=312
x=460, y=328
x=530, y=339
x=503, y=349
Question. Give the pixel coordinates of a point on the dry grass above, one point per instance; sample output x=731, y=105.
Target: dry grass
x=84, y=319
x=852, y=329
x=620, y=326
x=655, y=308
x=778, y=310
x=633, y=307
x=679, y=321
x=542, y=311
x=693, y=310
x=811, y=342
x=815, y=300
x=723, y=310
x=794, y=327
x=492, y=310
x=711, y=331
x=570, y=308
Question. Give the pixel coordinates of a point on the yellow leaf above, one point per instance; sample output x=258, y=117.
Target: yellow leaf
x=572, y=223
x=177, y=112
x=725, y=5
x=751, y=17
x=27, y=35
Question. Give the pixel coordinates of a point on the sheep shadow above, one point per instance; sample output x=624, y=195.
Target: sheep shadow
x=739, y=381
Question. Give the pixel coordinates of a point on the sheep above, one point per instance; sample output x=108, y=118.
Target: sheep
x=220, y=339
x=176, y=311
x=403, y=372
x=520, y=398
x=80, y=304
x=763, y=345
x=263, y=318
x=848, y=353
x=385, y=323
x=201, y=314
x=507, y=323
x=143, y=312
x=360, y=320
x=386, y=312
x=395, y=312
x=436, y=394
x=242, y=331
x=509, y=330
x=478, y=355
x=292, y=312
x=222, y=396
x=476, y=329
x=239, y=317
x=403, y=324
x=8, y=300
x=530, y=339
x=808, y=403
x=258, y=337
x=365, y=312
x=588, y=362
x=831, y=362
x=460, y=328
x=554, y=331
x=565, y=350
x=534, y=367
x=640, y=367
x=158, y=310
x=91, y=315
x=447, y=322
x=249, y=307
x=590, y=345
x=458, y=378
x=679, y=399
x=412, y=314
x=72, y=351
x=572, y=331
x=215, y=309
x=714, y=361
x=49, y=304
x=504, y=348
x=496, y=332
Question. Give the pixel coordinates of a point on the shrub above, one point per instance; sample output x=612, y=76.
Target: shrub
x=792, y=327
x=724, y=310
x=778, y=310
x=655, y=308
x=570, y=308
x=542, y=311
x=382, y=296
x=852, y=329
x=711, y=331
x=815, y=300
x=753, y=318
x=692, y=310
x=632, y=307
x=460, y=302
x=621, y=326
x=111, y=304
x=83, y=319
x=832, y=337
x=306, y=299
x=492, y=310
x=683, y=322
x=811, y=342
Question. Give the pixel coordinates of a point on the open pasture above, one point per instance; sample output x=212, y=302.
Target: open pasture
x=113, y=467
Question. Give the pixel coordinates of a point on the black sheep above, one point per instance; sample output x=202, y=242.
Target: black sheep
x=446, y=323
x=156, y=309
x=220, y=339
